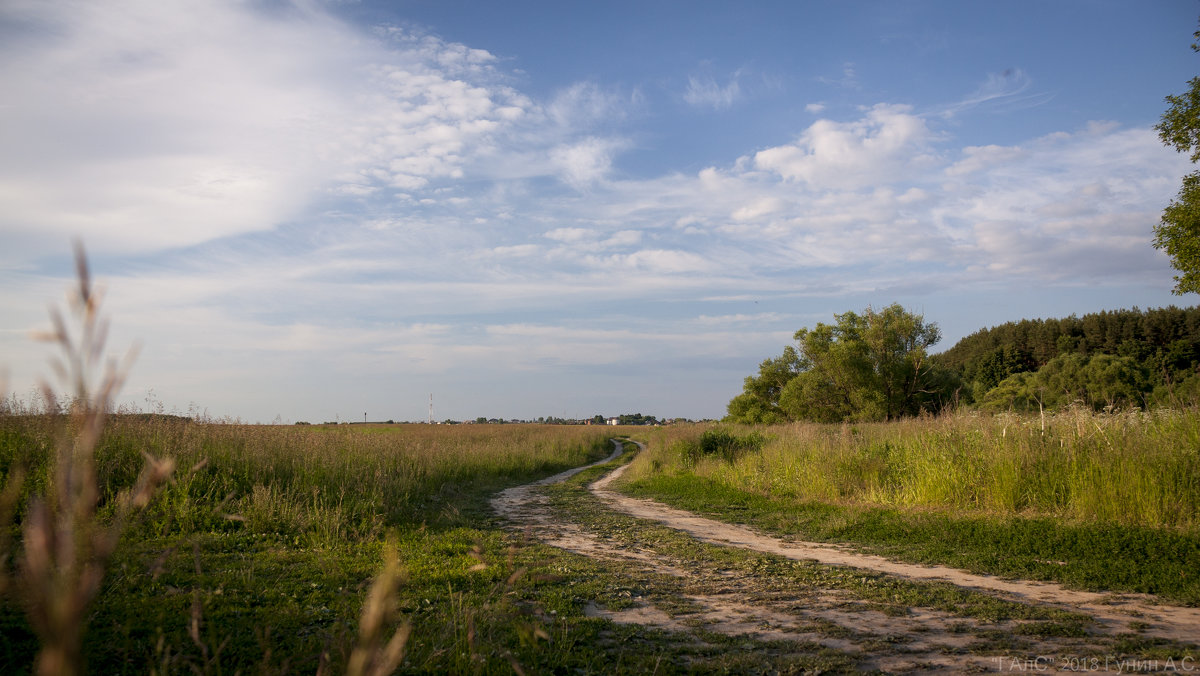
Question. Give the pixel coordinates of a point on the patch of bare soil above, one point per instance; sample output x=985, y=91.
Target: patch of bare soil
x=920, y=640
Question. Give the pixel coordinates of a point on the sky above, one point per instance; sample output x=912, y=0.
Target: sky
x=307, y=210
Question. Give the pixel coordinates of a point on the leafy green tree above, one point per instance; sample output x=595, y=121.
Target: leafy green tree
x=1099, y=381
x=872, y=366
x=1018, y=392
x=1185, y=392
x=1114, y=381
x=834, y=382
x=759, y=401
x=1178, y=233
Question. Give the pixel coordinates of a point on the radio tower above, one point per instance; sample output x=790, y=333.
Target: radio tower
x=430, y=408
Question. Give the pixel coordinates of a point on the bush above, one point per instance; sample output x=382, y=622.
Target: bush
x=721, y=443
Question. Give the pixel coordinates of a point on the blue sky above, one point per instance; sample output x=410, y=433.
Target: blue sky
x=308, y=210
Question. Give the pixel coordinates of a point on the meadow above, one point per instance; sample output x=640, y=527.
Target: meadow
x=257, y=555
x=1101, y=501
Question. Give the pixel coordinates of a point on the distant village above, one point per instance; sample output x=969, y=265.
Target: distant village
x=623, y=419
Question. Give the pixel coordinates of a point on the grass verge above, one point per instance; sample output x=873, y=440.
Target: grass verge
x=1093, y=554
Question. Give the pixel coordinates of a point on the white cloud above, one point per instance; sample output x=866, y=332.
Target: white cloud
x=706, y=92
x=1006, y=90
x=586, y=103
x=517, y=251
x=584, y=162
x=569, y=234
x=977, y=158
x=878, y=147
x=758, y=209
x=142, y=126
x=665, y=261
x=623, y=239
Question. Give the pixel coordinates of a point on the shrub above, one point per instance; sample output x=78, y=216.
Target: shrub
x=719, y=443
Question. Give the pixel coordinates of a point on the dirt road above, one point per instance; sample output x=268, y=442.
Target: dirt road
x=1125, y=630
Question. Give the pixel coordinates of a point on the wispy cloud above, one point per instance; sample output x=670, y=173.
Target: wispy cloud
x=705, y=91
x=145, y=128
x=848, y=79
x=1006, y=91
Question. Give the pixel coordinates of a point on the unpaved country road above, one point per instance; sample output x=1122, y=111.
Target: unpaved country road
x=931, y=640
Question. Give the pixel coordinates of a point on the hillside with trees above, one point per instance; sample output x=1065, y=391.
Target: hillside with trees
x=876, y=366
x=1116, y=358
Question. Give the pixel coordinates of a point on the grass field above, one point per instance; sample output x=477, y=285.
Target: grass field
x=1098, y=501
x=258, y=555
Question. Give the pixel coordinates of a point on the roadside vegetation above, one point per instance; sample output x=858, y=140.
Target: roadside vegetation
x=1099, y=501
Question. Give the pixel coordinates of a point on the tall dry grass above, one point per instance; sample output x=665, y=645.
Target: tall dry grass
x=328, y=485
x=69, y=527
x=1136, y=468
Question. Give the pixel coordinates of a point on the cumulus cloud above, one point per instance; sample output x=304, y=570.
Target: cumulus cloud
x=886, y=141
x=584, y=162
x=623, y=239
x=569, y=234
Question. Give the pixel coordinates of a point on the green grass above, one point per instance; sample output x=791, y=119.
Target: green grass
x=1093, y=556
x=258, y=556
x=941, y=491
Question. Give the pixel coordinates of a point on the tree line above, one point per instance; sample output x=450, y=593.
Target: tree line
x=876, y=365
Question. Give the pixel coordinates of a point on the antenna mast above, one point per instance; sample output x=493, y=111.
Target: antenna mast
x=430, y=408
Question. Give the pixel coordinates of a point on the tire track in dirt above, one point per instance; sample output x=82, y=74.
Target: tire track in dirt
x=924, y=639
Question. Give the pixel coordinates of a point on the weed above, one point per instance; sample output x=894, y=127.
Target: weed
x=66, y=541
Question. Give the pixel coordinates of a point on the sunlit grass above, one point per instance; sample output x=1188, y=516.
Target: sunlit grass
x=260, y=550
x=1105, y=502
x=1137, y=468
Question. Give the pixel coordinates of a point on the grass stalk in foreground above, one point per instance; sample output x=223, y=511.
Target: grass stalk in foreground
x=66, y=542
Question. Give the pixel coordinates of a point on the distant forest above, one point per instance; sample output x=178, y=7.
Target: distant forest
x=1120, y=357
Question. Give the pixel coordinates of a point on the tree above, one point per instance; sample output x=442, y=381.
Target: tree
x=873, y=366
x=1100, y=381
x=869, y=366
x=759, y=401
x=1178, y=234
